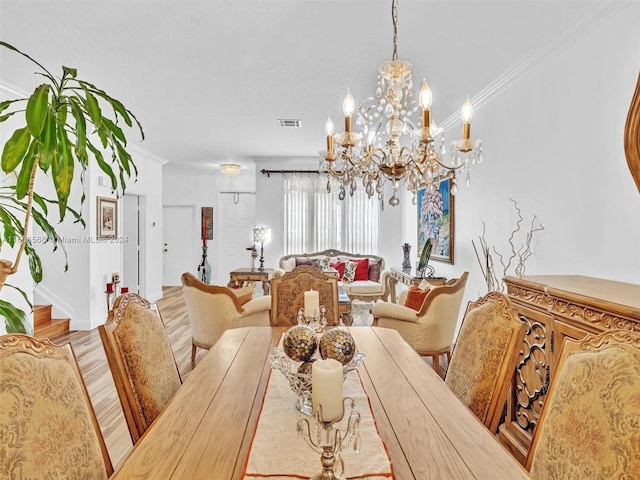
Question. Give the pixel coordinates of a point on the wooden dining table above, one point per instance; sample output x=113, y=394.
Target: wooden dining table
x=207, y=429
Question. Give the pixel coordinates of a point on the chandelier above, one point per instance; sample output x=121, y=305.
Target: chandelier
x=392, y=142
x=230, y=169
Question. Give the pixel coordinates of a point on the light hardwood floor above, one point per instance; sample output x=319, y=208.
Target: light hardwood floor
x=97, y=376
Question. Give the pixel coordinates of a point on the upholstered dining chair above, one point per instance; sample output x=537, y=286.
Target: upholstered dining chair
x=588, y=427
x=141, y=361
x=485, y=356
x=429, y=330
x=212, y=309
x=287, y=294
x=48, y=427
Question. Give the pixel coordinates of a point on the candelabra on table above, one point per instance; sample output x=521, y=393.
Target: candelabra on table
x=317, y=321
x=329, y=441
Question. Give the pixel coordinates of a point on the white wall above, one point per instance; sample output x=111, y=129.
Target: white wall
x=553, y=141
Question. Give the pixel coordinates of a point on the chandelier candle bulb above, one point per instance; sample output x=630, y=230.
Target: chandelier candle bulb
x=329, y=129
x=311, y=303
x=326, y=389
x=466, y=114
x=348, y=106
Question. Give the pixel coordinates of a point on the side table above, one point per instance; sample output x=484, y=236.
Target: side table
x=241, y=276
x=408, y=277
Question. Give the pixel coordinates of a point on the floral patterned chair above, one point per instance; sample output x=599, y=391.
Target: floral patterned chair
x=287, y=294
x=430, y=329
x=485, y=356
x=48, y=428
x=141, y=360
x=213, y=309
x=589, y=424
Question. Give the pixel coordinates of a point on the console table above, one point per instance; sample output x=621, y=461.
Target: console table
x=555, y=307
x=408, y=277
x=240, y=276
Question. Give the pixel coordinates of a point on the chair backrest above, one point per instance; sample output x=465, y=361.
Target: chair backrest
x=485, y=356
x=287, y=294
x=141, y=360
x=438, y=315
x=47, y=423
x=211, y=309
x=588, y=427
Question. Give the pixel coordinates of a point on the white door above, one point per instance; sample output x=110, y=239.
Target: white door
x=235, y=223
x=132, y=254
x=181, y=253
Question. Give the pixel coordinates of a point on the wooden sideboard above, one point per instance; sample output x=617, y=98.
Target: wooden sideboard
x=555, y=307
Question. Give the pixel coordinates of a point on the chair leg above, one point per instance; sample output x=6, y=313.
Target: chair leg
x=436, y=363
x=193, y=353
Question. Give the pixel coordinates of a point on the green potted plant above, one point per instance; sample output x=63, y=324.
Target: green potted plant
x=66, y=125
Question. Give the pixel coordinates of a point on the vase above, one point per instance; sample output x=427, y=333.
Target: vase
x=406, y=261
x=204, y=269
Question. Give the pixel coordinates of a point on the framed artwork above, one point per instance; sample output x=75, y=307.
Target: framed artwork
x=207, y=223
x=436, y=221
x=107, y=225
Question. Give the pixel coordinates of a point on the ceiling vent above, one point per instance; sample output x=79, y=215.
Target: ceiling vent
x=290, y=123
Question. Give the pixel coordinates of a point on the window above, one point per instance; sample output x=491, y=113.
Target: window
x=315, y=220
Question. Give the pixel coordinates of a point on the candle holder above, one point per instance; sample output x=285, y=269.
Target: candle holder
x=317, y=322
x=329, y=441
x=300, y=382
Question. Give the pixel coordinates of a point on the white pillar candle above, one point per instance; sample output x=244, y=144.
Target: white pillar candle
x=326, y=389
x=311, y=303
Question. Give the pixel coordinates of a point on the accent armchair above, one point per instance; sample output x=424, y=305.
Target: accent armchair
x=48, y=427
x=430, y=330
x=213, y=309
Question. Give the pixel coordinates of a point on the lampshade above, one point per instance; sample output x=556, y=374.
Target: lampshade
x=261, y=234
x=230, y=169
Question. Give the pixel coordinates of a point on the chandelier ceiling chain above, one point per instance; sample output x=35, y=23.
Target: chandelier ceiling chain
x=389, y=143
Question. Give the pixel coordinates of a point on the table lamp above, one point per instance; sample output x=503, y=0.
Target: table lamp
x=261, y=235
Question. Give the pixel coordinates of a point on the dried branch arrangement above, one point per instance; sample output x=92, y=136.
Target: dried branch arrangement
x=517, y=256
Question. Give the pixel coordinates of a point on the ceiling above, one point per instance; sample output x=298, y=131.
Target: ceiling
x=209, y=79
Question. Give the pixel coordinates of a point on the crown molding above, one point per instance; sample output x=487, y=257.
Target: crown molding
x=585, y=20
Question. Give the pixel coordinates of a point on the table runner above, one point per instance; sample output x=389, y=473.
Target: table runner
x=278, y=453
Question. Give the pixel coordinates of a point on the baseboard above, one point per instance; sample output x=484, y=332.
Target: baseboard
x=59, y=308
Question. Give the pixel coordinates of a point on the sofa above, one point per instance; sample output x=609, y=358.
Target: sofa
x=368, y=284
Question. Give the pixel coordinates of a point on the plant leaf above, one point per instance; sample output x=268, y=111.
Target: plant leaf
x=104, y=166
x=24, y=177
x=93, y=109
x=113, y=128
x=35, y=265
x=81, y=130
x=21, y=292
x=63, y=171
x=72, y=72
x=5, y=116
x=15, y=149
x=48, y=140
x=36, y=113
x=15, y=320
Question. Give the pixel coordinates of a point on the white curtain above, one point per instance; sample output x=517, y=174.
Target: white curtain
x=315, y=220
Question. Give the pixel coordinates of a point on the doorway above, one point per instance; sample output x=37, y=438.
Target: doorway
x=236, y=217
x=133, y=259
x=178, y=243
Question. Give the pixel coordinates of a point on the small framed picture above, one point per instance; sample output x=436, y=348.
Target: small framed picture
x=107, y=217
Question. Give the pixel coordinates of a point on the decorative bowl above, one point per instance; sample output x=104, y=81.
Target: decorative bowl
x=300, y=383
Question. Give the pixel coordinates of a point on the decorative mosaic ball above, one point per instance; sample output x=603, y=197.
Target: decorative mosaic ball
x=300, y=343
x=337, y=344
x=305, y=369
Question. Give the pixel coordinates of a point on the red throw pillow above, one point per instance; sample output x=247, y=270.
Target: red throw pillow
x=415, y=298
x=339, y=266
x=362, y=270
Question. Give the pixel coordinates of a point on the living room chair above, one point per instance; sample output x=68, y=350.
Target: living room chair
x=430, y=329
x=287, y=294
x=141, y=361
x=213, y=309
x=485, y=356
x=588, y=427
x=48, y=427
